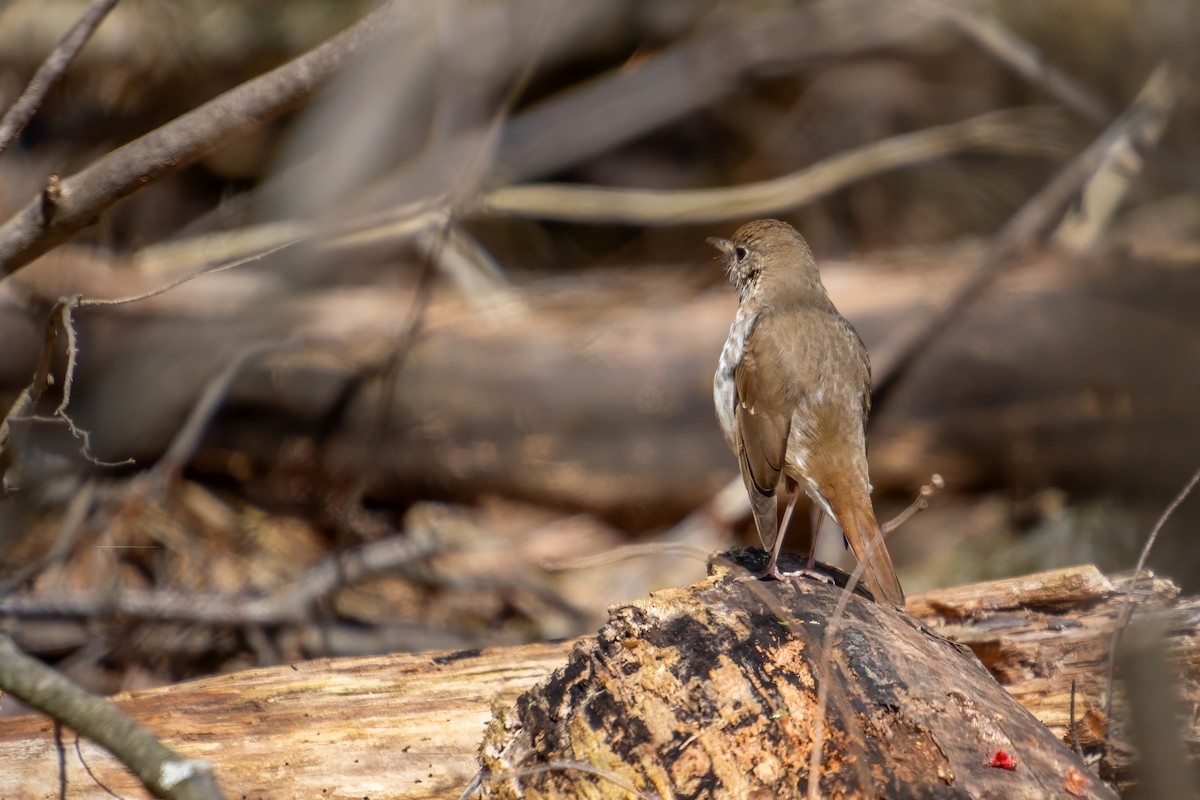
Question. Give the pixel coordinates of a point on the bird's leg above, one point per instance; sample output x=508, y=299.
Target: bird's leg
x=793, y=494
x=810, y=568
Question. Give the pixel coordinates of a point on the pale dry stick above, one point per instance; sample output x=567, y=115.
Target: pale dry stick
x=1002, y=132
x=1127, y=606
x=21, y=112
x=79, y=199
x=935, y=485
x=1022, y=231
x=1027, y=132
x=1121, y=164
x=162, y=771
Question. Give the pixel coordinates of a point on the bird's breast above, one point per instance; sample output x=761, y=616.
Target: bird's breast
x=725, y=397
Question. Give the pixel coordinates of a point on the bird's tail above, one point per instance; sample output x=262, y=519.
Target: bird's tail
x=852, y=508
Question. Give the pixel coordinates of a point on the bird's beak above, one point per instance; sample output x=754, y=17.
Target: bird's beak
x=724, y=245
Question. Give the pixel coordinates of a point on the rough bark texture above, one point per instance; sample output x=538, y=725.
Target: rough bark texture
x=724, y=672
x=716, y=690
x=1040, y=634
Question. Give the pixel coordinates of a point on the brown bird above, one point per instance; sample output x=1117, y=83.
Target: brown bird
x=792, y=392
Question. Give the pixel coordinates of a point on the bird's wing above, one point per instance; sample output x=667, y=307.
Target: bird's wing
x=860, y=352
x=761, y=436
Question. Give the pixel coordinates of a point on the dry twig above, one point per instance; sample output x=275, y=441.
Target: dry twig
x=22, y=111
x=164, y=772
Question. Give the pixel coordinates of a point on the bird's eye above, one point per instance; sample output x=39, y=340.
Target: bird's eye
x=740, y=253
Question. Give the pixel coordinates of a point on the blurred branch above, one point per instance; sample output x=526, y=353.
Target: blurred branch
x=164, y=772
x=1025, y=229
x=1024, y=58
x=1028, y=131
x=73, y=203
x=628, y=102
x=1031, y=64
x=1004, y=131
x=1120, y=165
x=291, y=605
x=22, y=111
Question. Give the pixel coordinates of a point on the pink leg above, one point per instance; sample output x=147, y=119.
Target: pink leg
x=772, y=570
x=810, y=569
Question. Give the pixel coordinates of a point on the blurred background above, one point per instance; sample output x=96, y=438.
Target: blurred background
x=447, y=387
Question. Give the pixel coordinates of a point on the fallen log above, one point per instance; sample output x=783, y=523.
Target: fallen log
x=593, y=395
x=409, y=726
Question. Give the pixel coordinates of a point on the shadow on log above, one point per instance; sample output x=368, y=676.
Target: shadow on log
x=724, y=689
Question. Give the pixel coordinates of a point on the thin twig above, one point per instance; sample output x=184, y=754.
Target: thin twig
x=1127, y=606
x=164, y=772
x=191, y=276
x=935, y=485
x=21, y=112
x=60, y=317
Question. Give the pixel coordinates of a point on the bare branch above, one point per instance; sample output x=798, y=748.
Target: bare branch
x=22, y=111
x=164, y=772
x=83, y=196
x=1025, y=228
x=291, y=605
x=1003, y=131
x=1023, y=58
x=1120, y=165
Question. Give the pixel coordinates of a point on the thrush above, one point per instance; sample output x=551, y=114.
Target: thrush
x=792, y=391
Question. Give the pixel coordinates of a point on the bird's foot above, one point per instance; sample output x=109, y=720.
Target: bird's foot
x=811, y=570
